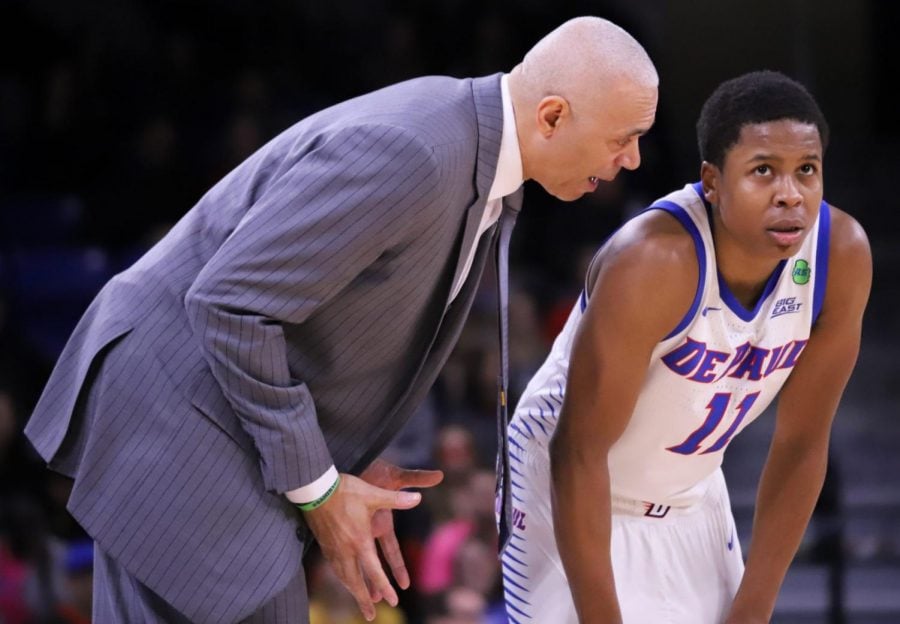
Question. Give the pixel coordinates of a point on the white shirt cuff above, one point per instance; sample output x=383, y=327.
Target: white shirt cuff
x=310, y=492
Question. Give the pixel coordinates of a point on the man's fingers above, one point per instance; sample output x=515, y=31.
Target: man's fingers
x=353, y=578
x=374, y=594
x=386, y=475
x=375, y=576
x=390, y=548
x=419, y=478
x=392, y=499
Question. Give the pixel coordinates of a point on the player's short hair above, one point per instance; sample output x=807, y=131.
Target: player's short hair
x=756, y=97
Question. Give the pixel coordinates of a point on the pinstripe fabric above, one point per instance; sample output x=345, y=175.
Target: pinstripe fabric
x=293, y=318
x=118, y=597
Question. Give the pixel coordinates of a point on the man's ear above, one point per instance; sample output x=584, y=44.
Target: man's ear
x=709, y=178
x=551, y=111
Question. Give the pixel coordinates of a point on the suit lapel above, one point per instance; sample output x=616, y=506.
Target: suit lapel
x=456, y=315
x=489, y=112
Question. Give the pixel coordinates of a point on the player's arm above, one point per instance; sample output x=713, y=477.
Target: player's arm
x=645, y=282
x=795, y=468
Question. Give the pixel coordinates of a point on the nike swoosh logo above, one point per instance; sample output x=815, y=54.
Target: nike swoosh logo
x=709, y=309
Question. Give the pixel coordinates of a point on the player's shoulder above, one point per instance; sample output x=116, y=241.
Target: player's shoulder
x=849, y=267
x=646, y=276
x=849, y=242
x=651, y=247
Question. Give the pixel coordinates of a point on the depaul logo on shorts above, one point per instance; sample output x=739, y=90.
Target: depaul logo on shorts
x=801, y=272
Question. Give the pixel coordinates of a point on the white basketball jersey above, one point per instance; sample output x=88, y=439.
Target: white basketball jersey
x=707, y=380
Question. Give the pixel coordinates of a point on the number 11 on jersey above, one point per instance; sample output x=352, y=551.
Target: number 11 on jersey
x=717, y=407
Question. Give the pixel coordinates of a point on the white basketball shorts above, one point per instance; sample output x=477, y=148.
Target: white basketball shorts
x=671, y=565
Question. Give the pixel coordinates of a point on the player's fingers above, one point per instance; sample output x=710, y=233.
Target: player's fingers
x=375, y=576
x=390, y=548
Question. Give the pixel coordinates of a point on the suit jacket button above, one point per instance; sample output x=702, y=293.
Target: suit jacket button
x=301, y=534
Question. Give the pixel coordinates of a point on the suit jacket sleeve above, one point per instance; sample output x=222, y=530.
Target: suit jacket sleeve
x=308, y=234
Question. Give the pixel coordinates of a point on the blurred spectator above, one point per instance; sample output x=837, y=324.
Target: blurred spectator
x=528, y=350
x=475, y=567
x=22, y=372
x=458, y=605
x=20, y=474
x=74, y=606
x=8, y=426
x=475, y=410
x=455, y=453
x=471, y=516
x=412, y=447
x=559, y=307
x=13, y=574
x=29, y=558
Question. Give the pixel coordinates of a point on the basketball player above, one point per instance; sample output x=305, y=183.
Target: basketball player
x=695, y=315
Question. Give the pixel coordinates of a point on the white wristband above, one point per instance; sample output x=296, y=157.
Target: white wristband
x=314, y=490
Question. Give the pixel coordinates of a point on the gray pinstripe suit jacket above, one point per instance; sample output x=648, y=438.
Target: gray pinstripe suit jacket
x=293, y=318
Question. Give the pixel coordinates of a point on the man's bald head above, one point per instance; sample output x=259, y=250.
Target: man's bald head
x=581, y=57
x=582, y=97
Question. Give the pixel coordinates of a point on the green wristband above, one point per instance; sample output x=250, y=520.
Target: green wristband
x=321, y=500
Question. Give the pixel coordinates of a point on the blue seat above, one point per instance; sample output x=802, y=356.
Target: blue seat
x=50, y=287
x=40, y=220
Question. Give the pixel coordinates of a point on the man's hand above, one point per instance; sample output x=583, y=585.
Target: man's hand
x=358, y=513
x=390, y=477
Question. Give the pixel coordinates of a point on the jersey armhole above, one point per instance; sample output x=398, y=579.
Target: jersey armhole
x=822, y=245
x=688, y=224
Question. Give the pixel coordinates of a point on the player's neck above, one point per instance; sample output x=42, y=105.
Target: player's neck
x=745, y=275
x=743, y=269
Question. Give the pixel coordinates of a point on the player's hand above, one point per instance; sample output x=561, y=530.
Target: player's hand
x=343, y=526
x=390, y=477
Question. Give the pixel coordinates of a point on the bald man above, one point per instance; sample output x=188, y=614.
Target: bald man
x=259, y=358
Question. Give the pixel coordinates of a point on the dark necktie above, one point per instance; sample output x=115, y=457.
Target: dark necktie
x=504, y=487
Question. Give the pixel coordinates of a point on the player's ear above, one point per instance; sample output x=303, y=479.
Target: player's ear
x=709, y=178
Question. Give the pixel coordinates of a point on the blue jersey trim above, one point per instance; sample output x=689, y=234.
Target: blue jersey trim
x=821, y=259
x=685, y=220
x=725, y=292
x=698, y=188
x=583, y=300
x=737, y=307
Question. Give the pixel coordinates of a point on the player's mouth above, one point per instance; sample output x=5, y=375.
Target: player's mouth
x=786, y=235
x=594, y=181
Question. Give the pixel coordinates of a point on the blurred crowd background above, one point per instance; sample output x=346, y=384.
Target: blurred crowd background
x=116, y=115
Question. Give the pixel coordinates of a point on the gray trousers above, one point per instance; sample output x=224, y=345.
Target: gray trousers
x=119, y=598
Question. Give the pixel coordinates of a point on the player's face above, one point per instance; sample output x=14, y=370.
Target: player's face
x=768, y=193
x=586, y=147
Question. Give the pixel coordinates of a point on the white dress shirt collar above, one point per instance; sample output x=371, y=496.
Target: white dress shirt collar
x=508, y=177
